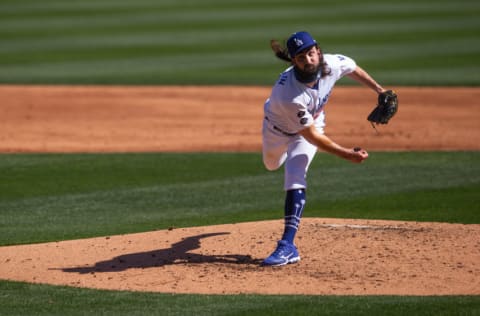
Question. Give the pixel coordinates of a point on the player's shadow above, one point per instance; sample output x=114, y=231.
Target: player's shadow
x=179, y=253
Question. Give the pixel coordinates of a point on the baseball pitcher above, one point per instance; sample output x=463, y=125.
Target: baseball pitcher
x=294, y=120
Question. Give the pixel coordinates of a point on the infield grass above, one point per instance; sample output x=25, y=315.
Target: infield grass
x=50, y=197
x=26, y=299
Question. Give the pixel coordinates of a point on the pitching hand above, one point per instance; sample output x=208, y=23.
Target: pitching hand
x=357, y=155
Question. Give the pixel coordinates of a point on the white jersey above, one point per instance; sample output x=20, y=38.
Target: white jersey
x=293, y=106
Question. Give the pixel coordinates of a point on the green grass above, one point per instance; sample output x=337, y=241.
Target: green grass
x=227, y=42
x=56, y=197
x=48, y=197
x=22, y=299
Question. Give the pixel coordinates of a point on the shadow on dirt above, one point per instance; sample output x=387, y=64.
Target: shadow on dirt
x=179, y=253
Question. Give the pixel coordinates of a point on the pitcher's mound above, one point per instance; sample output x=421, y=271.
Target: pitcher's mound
x=340, y=257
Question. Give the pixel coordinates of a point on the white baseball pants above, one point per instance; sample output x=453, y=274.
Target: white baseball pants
x=293, y=151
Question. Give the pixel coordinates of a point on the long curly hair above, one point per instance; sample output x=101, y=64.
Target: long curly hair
x=282, y=53
x=324, y=68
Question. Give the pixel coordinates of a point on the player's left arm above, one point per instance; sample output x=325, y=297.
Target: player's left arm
x=364, y=78
x=387, y=104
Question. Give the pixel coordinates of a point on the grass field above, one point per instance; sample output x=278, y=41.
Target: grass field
x=410, y=42
x=53, y=197
x=22, y=299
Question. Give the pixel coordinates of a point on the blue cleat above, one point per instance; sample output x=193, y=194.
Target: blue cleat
x=284, y=254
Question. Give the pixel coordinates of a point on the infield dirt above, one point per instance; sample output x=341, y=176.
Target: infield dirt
x=125, y=119
x=339, y=257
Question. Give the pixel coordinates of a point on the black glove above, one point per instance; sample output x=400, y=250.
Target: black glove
x=386, y=108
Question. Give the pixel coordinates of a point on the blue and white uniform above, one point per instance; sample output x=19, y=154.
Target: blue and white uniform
x=292, y=107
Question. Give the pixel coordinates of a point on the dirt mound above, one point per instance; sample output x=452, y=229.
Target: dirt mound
x=341, y=257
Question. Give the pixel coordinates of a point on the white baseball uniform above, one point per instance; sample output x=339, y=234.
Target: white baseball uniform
x=291, y=107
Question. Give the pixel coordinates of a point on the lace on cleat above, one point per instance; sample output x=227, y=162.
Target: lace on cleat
x=284, y=254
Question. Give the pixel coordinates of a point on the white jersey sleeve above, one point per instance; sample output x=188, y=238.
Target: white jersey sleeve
x=340, y=65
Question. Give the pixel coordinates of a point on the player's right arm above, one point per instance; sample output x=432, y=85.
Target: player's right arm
x=324, y=142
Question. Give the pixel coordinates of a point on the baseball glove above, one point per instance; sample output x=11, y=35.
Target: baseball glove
x=386, y=108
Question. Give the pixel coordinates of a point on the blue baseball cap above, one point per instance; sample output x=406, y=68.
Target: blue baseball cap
x=299, y=41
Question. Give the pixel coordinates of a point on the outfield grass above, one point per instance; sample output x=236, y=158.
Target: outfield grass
x=408, y=42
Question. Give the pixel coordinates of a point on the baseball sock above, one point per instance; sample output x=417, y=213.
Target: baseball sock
x=294, y=204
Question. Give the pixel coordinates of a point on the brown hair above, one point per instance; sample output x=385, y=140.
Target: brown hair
x=282, y=53
x=325, y=70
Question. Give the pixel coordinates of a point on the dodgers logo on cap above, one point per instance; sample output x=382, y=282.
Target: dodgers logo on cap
x=298, y=42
